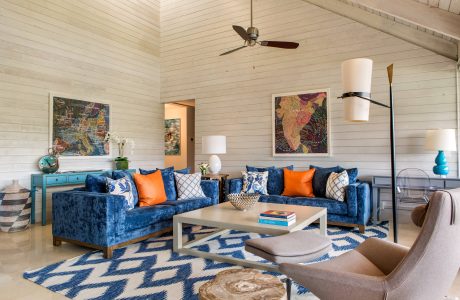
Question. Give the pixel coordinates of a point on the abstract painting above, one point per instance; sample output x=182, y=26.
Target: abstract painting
x=172, y=137
x=301, y=124
x=78, y=127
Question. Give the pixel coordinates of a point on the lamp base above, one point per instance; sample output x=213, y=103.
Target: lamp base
x=215, y=165
x=441, y=167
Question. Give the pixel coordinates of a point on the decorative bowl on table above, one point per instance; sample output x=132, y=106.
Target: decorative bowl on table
x=243, y=201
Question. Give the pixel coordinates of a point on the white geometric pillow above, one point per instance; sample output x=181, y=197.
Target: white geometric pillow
x=121, y=187
x=336, y=184
x=188, y=186
x=255, y=182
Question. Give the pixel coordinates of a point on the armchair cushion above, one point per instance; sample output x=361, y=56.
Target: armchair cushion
x=275, y=184
x=140, y=217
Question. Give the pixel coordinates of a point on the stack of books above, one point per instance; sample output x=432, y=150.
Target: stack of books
x=277, y=217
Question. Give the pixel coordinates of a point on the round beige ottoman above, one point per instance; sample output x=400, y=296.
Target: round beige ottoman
x=243, y=284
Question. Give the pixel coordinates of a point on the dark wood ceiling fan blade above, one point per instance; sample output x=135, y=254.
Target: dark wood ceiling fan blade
x=241, y=31
x=231, y=51
x=278, y=44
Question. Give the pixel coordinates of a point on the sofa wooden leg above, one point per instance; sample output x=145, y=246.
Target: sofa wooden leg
x=56, y=242
x=362, y=228
x=108, y=251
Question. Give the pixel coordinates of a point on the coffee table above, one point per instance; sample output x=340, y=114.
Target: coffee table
x=225, y=217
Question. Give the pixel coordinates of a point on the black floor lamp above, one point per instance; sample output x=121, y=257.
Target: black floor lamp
x=356, y=80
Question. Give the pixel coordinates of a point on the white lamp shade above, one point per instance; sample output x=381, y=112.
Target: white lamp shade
x=441, y=139
x=357, y=77
x=214, y=144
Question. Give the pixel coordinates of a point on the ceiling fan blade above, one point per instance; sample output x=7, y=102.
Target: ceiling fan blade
x=241, y=31
x=228, y=52
x=277, y=44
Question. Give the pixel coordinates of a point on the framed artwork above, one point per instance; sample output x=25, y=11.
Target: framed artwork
x=78, y=127
x=301, y=123
x=172, y=137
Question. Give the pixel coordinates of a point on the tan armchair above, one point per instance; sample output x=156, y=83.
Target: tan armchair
x=382, y=270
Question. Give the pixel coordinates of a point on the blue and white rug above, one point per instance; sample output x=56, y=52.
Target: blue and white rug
x=150, y=270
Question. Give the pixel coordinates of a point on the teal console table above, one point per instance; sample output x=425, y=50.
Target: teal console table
x=57, y=179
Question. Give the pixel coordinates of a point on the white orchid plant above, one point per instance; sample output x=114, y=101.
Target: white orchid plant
x=121, y=142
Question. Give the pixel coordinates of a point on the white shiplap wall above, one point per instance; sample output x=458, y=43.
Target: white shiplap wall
x=233, y=93
x=100, y=49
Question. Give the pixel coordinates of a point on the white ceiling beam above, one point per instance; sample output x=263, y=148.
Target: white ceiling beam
x=432, y=18
x=413, y=35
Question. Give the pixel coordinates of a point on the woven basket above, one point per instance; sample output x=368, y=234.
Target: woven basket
x=243, y=201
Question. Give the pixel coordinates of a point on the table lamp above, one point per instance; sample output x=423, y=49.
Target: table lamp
x=441, y=140
x=214, y=144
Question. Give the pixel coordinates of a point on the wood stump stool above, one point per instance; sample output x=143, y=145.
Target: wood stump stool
x=243, y=284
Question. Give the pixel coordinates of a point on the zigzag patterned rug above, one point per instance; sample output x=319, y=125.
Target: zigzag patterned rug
x=150, y=270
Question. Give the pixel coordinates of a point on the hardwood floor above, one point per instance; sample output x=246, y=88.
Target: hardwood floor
x=34, y=248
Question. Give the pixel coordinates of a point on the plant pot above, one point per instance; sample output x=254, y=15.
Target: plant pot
x=121, y=163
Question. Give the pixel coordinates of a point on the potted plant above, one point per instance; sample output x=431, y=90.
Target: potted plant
x=204, y=168
x=121, y=162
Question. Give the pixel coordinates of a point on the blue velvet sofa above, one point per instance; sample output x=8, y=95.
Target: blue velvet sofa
x=102, y=221
x=355, y=211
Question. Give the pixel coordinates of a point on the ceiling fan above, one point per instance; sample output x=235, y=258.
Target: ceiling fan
x=250, y=39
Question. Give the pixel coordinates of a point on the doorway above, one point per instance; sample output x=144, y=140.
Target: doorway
x=180, y=134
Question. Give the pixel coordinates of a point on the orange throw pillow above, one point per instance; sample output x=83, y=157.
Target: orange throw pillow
x=298, y=183
x=150, y=188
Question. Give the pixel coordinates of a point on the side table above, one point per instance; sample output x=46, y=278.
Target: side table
x=222, y=178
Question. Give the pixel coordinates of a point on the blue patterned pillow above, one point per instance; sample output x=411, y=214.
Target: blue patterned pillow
x=168, y=180
x=275, y=185
x=118, y=174
x=123, y=187
x=255, y=182
x=97, y=183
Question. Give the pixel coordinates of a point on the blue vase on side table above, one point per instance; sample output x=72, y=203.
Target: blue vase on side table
x=441, y=167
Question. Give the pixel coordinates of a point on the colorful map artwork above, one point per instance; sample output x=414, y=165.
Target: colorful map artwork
x=301, y=125
x=172, y=137
x=79, y=127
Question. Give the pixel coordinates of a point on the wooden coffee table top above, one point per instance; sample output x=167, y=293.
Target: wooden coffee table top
x=226, y=216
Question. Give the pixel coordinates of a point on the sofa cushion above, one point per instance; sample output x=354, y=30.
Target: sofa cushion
x=150, y=188
x=320, y=179
x=322, y=174
x=273, y=199
x=275, y=184
x=120, y=174
x=168, y=180
x=298, y=183
x=255, y=182
x=333, y=206
x=336, y=186
x=140, y=217
x=122, y=187
x=189, y=204
x=97, y=183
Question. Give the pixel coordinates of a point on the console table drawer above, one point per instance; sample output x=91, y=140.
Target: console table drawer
x=53, y=180
x=77, y=178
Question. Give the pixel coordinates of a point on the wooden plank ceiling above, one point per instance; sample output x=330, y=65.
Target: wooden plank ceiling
x=449, y=5
x=436, y=29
